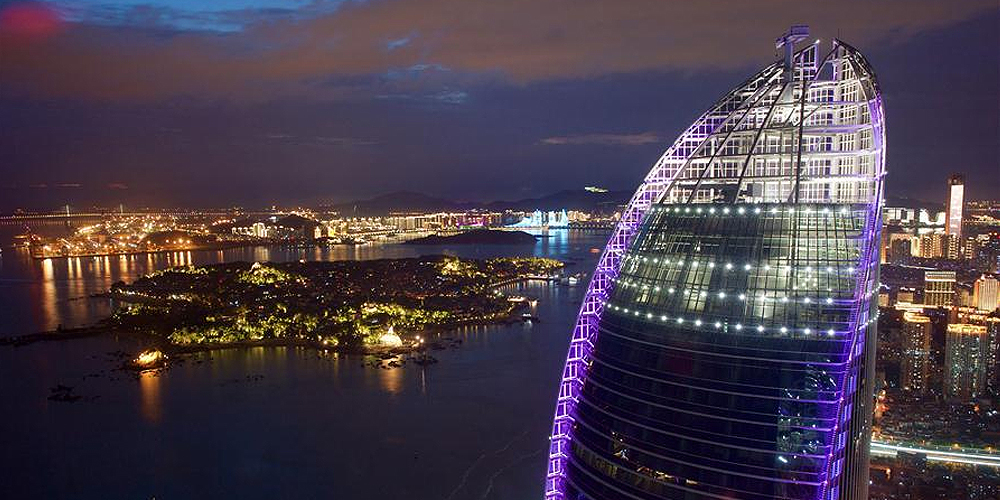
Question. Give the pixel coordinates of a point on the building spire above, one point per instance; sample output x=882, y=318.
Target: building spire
x=795, y=34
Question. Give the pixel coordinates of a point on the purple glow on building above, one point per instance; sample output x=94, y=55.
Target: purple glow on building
x=664, y=183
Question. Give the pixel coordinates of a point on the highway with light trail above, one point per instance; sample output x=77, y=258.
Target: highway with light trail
x=973, y=456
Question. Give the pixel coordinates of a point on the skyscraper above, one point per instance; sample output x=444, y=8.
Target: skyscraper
x=939, y=288
x=725, y=346
x=916, y=345
x=956, y=203
x=992, y=354
x=965, y=361
x=986, y=293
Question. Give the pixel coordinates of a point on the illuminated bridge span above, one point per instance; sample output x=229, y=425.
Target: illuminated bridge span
x=967, y=456
x=725, y=346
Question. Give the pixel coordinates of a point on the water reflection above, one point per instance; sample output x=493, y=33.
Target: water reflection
x=55, y=291
x=391, y=380
x=48, y=298
x=149, y=393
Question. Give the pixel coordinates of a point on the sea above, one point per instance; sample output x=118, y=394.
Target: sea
x=276, y=422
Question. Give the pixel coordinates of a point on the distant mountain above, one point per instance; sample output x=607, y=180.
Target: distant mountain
x=297, y=222
x=575, y=199
x=399, y=201
x=408, y=201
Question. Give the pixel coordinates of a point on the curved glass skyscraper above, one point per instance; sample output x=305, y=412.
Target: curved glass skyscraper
x=725, y=347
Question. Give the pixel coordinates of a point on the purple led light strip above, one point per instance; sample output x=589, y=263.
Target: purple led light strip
x=865, y=283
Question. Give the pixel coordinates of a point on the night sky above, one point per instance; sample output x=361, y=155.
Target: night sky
x=167, y=103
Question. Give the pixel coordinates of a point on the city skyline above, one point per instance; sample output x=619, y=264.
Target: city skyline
x=500, y=249
x=416, y=112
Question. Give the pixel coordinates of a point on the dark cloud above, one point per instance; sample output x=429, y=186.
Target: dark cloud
x=515, y=40
x=469, y=100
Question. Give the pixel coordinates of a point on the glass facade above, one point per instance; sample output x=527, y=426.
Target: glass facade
x=723, y=366
x=725, y=344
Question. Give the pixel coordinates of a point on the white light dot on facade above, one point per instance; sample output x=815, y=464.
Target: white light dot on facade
x=743, y=297
x=718, y=324
x=729, y=265
x=670, y=290
x=697, y=322
x=722, y=295
x=829, y=300
x=739, y=326
x=808, y=331
x=760, y=328
x=747, y=267
x=830, y=332
x=680, y=320
x=784, y=329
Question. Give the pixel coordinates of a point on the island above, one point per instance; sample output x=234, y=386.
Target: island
x=353, y=306
x=478, y=237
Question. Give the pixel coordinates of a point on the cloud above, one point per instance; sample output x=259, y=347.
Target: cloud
x=604, y=139
x=294, y=140
x=515, y=41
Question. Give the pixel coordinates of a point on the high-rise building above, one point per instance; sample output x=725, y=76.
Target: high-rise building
x=915, y=359
x=986, y=293
x=937, y=245
x=956, y=204
x=725, y=346
x=966, y=362
x=939, y=288
x=993, y=354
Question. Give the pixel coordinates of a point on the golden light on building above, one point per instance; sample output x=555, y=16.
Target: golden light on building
x=151, y=358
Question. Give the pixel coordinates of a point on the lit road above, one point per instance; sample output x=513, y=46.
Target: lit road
x=970, y=456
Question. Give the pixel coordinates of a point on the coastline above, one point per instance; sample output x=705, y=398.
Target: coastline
x=200, y=248
x=161, y=343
